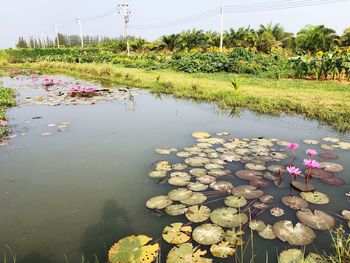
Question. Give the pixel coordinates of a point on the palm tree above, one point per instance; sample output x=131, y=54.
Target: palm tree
x=345, y=38
x=192, y=38
x=243, y=37
x=171, y=41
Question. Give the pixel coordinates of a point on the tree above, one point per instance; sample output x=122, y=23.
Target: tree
x=345, y=38
x=171, y=41
x=316, y=38
x=21, y=43
x=192, y=38
x=243, y=37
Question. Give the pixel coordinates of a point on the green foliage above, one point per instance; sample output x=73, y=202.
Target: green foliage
x=235, y=82
x=7, y=99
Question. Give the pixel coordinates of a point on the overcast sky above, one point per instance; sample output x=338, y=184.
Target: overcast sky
x=33, y=17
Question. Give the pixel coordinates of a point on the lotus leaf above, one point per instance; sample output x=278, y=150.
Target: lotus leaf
x=331, y=167
x=270, y=177
x=266, y=199
x=328, y=147
x=315, y=197
x=185, y=253
x=276, y=168
x=180, y=174
x=183, y=154
x=212, y=140
x=234, y=237
x=165, y=151
x=159, y=202
x=213, y=166
x=303, y=187
x=204, y=145
x=291, y=256
x=230, y=157
x=195, y=199
x=318, y=220
x=228, y=217
x=333, y=181
x=330, y=139
x=267, y=233
x=208, y=234
x=217, y=172
x=197, y=161
x=277, y=212
x=253, y=166
x=344, y=145
x=279, y=155
x=235, y=201
x=162, y=166
x=157, y=174
x=294, y=202
x=179, y=166
x=319, y=173
x=314, y=142
x=206, y=179
x=260, y=206
x=212, y=155
x=201, y=135
x=198, y=214
x=221, y=186
x=257, y=225
x=249, y=174
x=218, y=161
x=314, y=258
x=247, y=191
x=261, y=183
x=346, y=214
x=180, y=194
x=222, y=133
x=298, y=235
x=193, y=149
x=198, y=172
x=329, y=156
x=197, y=186
x=176, y=210
x=222, y=250
x=177, y=233
x=133, y=249
x=178, y=181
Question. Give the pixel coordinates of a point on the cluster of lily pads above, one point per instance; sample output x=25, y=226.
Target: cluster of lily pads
x=204, y=174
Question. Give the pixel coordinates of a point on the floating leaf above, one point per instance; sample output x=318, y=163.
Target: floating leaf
x=230, y=157
x=217, y=172
x=346, y=214
x=276, y=168
x=198, y=172
x=294, y=202
x=314, y=142
x=298, y=235
x=183, y=154
x=212, y=140
x=176, y=210
x=213, y=166
x=179, y=179
x=222, y=250
x=197, y=186
x=159, y=202
x=204, y=145
x=260, y=206
x=157, y=174
x=331, y=167
x=221, y=186
x=267, y=233
x=195, y=199
x=291, y=256
x=225, y=133
x=198, y=214
x=133, y=249
x=319, y=173
x=344, y=145
x=165, y=151
x=328, y=147
x=197, y=161
x=314, y=258
x=180, y=194
x=279, y=155
x=249, y=174
x=318, y=220
x=266, y=199
x=201, y=135
x=302, y=186
x=179, y=166
x=253, y=166
x=234, y=237
x=329, y=156
x=247, y=191
x=228, y=217
x=185, y=253
x=208, y=234
x=235, y=201
x=330, y=139
x=206, y=179
x=333, y=181
x=277, y=212
x=261, y=183
x=315, y=197
x=177, y=233
x=257, y=225
x=162, y=166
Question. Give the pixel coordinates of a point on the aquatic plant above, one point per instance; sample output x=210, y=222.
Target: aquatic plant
x=80, y=91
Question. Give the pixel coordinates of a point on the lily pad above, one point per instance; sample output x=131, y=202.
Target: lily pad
x=198, y=172
x=313, y=142
x=346, y=214
x=315, y=258
x=179, y=166
x=230, y=157
x=260, y=206
x=266, y=199
x=225, y=133
x=176, y=210
x=249, y=174
x=247, y=191
x=221, y=186
x=235, y=201
x=213, y=166
x=157, y=174
x=257, y=225
x=179, y=181
x=212, y=140
x=261, y=183
x=267, y=233
x=329, y=156
x=331, y=167
x=195, y=199
x=201, y=135
x=257, y=167
x=344, y=145
x=294, y=202
x=183, y=154
x=276, y=168
x=228, y=217
x=159, y=202
x=315, y=197
x=198, y=214
x=197, y=161
x=277, y=212
x=234, y=237
x=180, y=194
x=197, y=186
x=330, y=139
x=208, y=234
x=279, y=155
x=206, y=179
x=302, y=186
x=319, y=173
x=291, y=256
x=298, y=235
x=177, y=233
x=333, y=181
x=204, y=145
x=133, y=249
x=162, y=166
x=217, y=172
x=185, y=253
x=222, y=250
x=318, y=220
x=165, y=151
x=328, y=147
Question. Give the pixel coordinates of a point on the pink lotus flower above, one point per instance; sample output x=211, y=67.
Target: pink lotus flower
x=293, y=146
x=3, y=123
x=293, y=170
x=311, y=152
x=311, y=164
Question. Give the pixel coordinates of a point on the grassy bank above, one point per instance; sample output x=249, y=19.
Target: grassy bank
x=7, y=99
x=325, y=101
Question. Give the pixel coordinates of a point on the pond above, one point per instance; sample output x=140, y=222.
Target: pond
x=75, y=178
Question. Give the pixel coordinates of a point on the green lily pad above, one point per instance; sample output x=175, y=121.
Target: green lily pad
x=235, y=201
x=294, y=202
x=291, y=256
x=211, y=140
x=176, y=210
x=331, y=167
x=234, y=237
x=159, y=202
x=198, y=172
x=157, y=174
x=221, y=186
x=257, y=225
x=277, y=212
x=267, y=233
x=318, y=220
x=183, y=154
x=197, y=186
x=328, y=147
x=195, y=199
x=180, y=194
x=179, y=179
x=198, y=214
x=313, y=142
x=166, y=151
x=225, y=133
x=217, y=172
x=314, y=258
x=330, y=139
x=197, y=161
x=266, y=199
x=179, y=166
x=346, y=214
x=204, y=145
x=257, y=167
x=315, y=197
x=206, y=179
x=344, y=145
x=276, y=168
x=222, y=250
x=230, y=157
x=228, y=217
x=213, y=166
x=177, y=233
x=249, y=174
x=162, y=166
x=133, y=249
x=185, y=253
x=298, y=235
x=208, y=234
x=247, y=191
x=201, y=135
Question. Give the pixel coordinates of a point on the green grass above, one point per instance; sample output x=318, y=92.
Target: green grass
x=325, y=101
x=7, y=99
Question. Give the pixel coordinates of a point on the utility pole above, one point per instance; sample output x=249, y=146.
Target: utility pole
x=222, y=27
x=58, y=39
x=78, y=20
x=123, y=9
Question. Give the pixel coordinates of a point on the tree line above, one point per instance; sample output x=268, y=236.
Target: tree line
x=311, y=38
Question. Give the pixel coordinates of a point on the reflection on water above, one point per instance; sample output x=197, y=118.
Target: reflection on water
x=74, y=193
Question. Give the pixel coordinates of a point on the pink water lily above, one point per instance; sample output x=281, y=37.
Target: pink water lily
x=293, y=146
x=293, y=170
x=311, y=164
x=311, y=152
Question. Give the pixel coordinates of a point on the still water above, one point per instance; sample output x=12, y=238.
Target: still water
x=69, y=196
